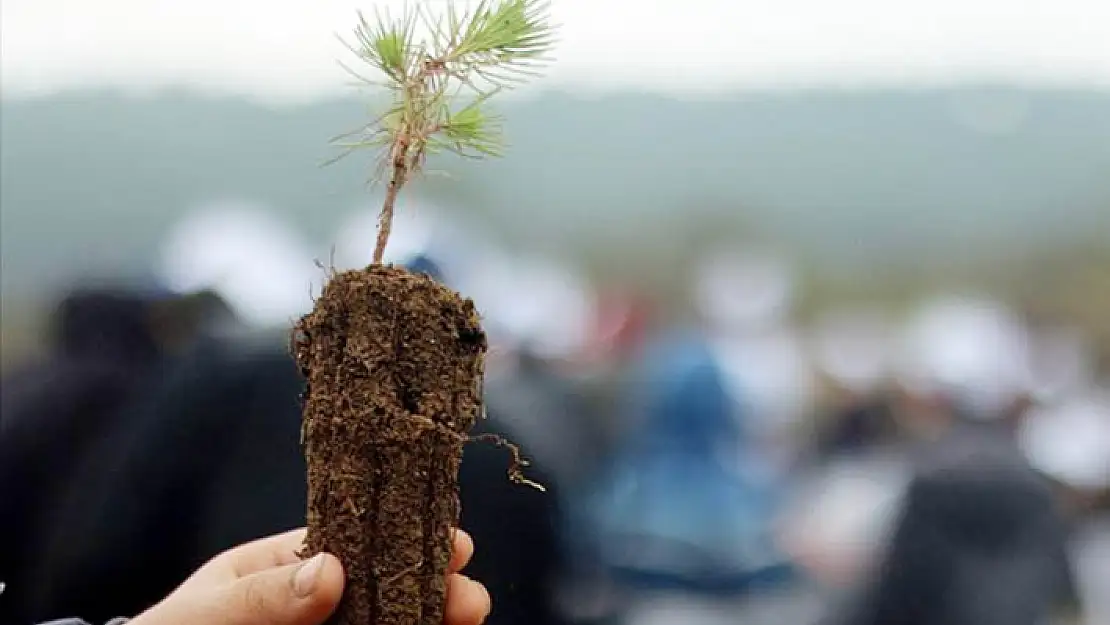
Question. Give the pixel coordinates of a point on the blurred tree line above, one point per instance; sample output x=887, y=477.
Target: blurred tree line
x=876, y=194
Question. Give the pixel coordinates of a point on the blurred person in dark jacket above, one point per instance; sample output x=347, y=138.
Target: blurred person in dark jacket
x=106, y=345
x=979, y=539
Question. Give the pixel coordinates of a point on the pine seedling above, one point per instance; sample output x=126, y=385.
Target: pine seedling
x=440, y=73
x=393, y=360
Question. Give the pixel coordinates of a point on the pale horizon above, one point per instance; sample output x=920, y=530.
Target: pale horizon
x=287, y=50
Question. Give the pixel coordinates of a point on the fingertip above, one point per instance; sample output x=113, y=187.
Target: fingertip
x=462, y=549
x=331, y=580
x=325, y=591
x=468, y=602
x=305, y=592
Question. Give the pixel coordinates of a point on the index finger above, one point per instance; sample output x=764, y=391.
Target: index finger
x=281, y=549
x=462, y=549
x=266, y=553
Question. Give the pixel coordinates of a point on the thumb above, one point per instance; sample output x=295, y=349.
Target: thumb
x=305, y=593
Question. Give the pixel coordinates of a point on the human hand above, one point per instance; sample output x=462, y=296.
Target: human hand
x=265, y=583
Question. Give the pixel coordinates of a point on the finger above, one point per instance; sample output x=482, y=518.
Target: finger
x=468, y=602
x=265, y=553
x=295, y=594
x=462, y=549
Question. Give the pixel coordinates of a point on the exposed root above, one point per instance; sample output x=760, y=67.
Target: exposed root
x=516, y=473
x=423, y=424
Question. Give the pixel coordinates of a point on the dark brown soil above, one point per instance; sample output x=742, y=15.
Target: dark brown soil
x=394, y=364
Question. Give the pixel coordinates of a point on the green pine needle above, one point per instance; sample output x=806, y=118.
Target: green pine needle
x=428, y=63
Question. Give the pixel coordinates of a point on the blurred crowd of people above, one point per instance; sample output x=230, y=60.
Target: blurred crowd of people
x=735, y=465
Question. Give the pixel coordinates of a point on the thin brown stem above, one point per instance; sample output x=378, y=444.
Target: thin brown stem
x=396, y=181
x=401, y=167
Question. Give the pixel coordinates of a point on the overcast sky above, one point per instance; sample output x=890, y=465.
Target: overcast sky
x=287, y=48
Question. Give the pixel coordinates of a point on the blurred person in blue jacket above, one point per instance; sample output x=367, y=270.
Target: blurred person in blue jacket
x=678, y=510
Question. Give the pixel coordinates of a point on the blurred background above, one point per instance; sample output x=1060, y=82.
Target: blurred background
x=803, y=309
